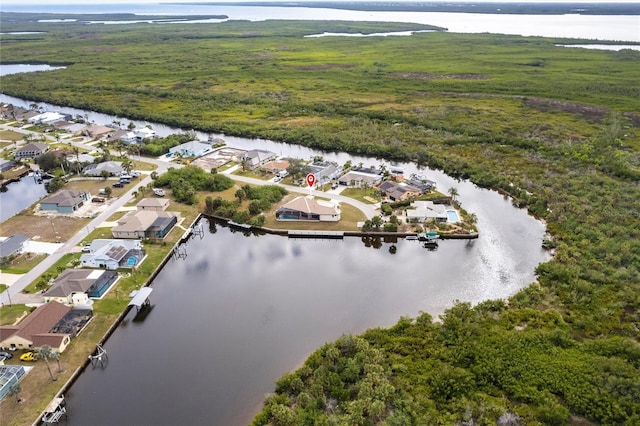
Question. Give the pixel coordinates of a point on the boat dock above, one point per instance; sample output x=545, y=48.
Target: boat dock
x=316, y=234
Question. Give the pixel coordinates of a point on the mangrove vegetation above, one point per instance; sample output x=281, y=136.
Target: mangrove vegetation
x=556, y=129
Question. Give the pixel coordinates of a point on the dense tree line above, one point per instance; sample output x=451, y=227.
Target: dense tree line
x=187, y=181
x=261, y=199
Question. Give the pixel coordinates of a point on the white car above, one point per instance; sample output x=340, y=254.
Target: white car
x=159, y=192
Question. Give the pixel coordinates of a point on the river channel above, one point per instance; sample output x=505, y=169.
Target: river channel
x=239, y=311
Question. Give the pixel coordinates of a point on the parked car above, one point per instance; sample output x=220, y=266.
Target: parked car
x=29, y=356
x=6, y=355
x=159, y=192
x=118, y=185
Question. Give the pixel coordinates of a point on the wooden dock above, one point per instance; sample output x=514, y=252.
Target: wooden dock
x=316, y=234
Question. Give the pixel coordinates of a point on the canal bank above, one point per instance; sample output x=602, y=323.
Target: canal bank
x=244, y=306
x=118, y=321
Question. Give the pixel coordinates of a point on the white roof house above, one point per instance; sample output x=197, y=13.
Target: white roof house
x=422, y=211
x=359, y=179
x=47, y=118
x=191, y=149
x=144, y=133
x=112, y=254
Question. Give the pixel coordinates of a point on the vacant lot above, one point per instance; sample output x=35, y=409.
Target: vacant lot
x=43, y=228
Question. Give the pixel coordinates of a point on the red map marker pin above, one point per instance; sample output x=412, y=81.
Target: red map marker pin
x=311, y=179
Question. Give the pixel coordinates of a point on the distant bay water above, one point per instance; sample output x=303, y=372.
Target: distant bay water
x=594, y=27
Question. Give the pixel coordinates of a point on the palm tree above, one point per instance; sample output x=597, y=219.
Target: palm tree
x=56, y=355
x=453, y=192
x=127, y=165
x=44, y=352
x=473, y=218
x=376, y=221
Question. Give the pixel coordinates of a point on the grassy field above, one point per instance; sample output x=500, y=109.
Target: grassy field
x=10, y=135
x=557, y=129
x=10, y=314
x=23, y=263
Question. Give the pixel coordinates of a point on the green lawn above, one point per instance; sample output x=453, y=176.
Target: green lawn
x=23, y=263
x=9, y=314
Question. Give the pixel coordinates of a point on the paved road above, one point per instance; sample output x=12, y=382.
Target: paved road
x=13, y=294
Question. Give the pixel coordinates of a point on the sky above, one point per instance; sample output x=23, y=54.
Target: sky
x=301, y=1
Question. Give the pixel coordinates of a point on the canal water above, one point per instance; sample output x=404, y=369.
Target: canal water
x=18, y=196
x=240, y=311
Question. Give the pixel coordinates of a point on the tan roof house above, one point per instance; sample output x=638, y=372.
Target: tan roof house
x=93, y=131
x=36, y=329
x=145, y=224
x=309, y=209
x=154, y=204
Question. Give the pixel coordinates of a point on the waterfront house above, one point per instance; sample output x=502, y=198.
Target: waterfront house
x=31, y=150
x=12, y=246
x=191, y=149
x=257, y=158
x=309, y=209
x=154, y=204
x=114, y=168
x=112, y=254
x=276, y=166
x=144, y=133
x=422, y=211
x=75, y=286
x=65, y=201
x=324, y=171
x=398, y=191
x=48, y=118
x=361, y=178
x=145, y=224
x=21, y=114
x=93, y=131
x=37, y=329
x=125, y=136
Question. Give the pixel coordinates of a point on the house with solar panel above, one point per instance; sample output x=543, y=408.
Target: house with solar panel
x=113, y=254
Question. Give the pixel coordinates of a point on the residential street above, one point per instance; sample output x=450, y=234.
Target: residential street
x=14, y=294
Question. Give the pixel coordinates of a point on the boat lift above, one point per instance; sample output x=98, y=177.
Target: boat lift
x=140, y=298
x=54, y=411
x=99, y=356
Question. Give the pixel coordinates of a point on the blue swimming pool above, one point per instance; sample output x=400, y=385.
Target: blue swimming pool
x=452, y=216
